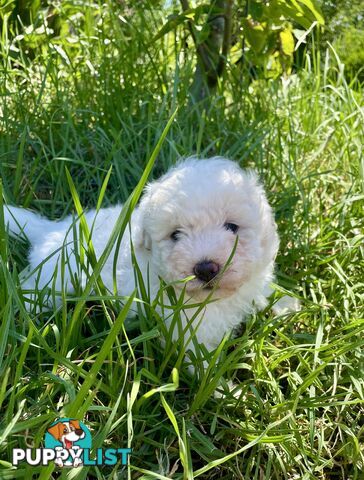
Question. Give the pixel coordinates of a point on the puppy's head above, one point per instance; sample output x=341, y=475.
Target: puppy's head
x=194, y=217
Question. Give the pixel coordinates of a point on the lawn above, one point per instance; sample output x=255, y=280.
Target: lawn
x=95, y=104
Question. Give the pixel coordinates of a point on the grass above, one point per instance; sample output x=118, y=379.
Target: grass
x=101, y=103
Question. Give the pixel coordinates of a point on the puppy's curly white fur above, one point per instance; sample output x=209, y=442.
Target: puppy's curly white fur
x=188, y=223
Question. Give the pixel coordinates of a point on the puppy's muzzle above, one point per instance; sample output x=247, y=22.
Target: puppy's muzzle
x=206, y=270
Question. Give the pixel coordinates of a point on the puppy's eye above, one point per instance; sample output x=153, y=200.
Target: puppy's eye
x=232, y=227
x=175, y=235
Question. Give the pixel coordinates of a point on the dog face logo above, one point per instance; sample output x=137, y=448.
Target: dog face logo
x=67, y=432
x=68, y=437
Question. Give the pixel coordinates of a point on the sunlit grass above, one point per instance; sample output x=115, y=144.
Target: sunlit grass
x=299, y=377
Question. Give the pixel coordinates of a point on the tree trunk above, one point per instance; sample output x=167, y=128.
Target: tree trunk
x=212, y=52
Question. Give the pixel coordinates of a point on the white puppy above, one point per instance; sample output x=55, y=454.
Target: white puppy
x=190, y=222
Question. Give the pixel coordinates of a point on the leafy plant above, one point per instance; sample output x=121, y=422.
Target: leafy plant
x=262, y=34
x=350, y=48
x=271, y=30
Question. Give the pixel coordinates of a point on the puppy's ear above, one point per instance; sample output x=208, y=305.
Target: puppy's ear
x=269, y=235
x=141, y=237
x=270, y=239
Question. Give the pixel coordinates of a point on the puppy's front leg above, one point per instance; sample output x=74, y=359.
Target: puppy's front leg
x=285, y=304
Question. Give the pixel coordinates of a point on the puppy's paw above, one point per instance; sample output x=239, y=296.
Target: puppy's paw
x=228, y=389
x=286, y=304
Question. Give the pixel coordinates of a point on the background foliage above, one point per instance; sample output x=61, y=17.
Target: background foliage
x=88, y=86
x=345, y=30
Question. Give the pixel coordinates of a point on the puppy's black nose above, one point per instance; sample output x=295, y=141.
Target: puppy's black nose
x=206, y=270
